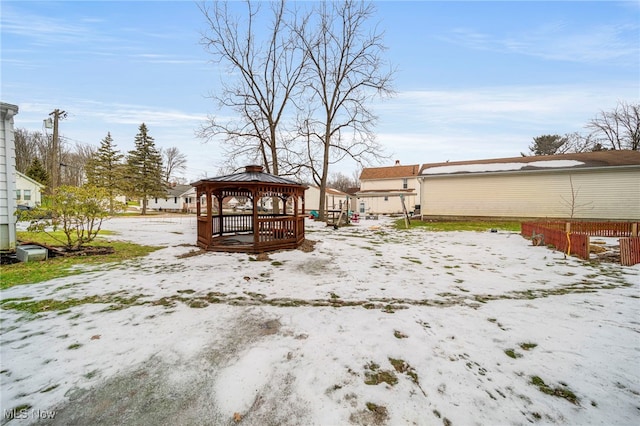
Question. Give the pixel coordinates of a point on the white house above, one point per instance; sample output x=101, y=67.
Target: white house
x=28, y=191
x=7, y=178
x=595, y=185
x=334, y=199
x=384, y=189
x=179, y=198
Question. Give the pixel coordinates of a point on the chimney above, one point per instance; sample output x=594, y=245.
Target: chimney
x=397, y=162
x=253, y=169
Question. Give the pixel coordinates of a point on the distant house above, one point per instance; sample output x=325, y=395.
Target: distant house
x=28, y=191
x=383, y=189
x=334, y=199
x=596, y=185
x=179, y=198
x=7, y=178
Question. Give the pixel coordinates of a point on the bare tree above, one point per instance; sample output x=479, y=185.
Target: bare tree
x=571, y=203
x=341, y=182
x=73, y=164
x=620, y=128
x=25, y=150
x=268, y=72
x=346, y=71
x=174, y=161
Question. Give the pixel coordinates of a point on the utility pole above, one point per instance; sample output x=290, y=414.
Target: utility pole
x=55, y=163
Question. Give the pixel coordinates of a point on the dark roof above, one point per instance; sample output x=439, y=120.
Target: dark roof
x=541, y=162
x=251, y=174
x=391, y=172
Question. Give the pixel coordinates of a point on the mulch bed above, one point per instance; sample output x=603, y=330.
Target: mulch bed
x=56, y=251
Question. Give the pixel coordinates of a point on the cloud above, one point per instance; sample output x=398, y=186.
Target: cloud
x=553, y=41
x=488, y=122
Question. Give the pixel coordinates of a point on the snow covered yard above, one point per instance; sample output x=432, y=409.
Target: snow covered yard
x=374, y=326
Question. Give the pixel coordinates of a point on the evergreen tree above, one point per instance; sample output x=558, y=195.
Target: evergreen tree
x=105, y=170
x=144, y=169
x=37, y=172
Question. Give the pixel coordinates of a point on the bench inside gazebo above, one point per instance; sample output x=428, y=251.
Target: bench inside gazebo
x=252, y=230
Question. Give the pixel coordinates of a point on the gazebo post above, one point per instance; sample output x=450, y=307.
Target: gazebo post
x=254, y=223
x=209, y=216
x=219, y=199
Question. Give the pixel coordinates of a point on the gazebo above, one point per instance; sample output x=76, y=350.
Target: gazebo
x=257, y=228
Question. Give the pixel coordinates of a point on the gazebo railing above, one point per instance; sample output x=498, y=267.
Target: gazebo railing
x=233, y=223
x=276, y=228
x=277, y=224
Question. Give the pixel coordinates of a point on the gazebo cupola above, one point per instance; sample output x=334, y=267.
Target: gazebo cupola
x=272, y=218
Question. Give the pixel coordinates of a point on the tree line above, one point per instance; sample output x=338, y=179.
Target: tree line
x=142, y=173
x=618, y=129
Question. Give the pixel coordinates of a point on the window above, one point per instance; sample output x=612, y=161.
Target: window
x=175, y=200
x=17, y=194
x=27, y=194
x=405, y=183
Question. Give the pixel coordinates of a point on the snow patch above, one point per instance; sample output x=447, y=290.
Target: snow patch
x=500, y=167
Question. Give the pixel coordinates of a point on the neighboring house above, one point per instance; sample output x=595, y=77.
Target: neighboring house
x=382, y=189
x=334, y=199
x=7, y=178
x=179, y=198
x=595, y=185
x=28, y=191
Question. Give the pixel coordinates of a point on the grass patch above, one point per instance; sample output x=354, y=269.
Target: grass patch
x=373, y=376
x=512, y=353
x=46, y=305
x=474, y=225
x=399, y=334
x=527, y=346
x=57, y=267
x=560, y=392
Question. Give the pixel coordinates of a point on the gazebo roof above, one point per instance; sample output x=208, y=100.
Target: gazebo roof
x=251, y=174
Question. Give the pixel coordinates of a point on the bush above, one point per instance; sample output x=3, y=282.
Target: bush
x=77, y=211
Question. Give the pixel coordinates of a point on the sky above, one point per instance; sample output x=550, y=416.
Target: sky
x=474, y=80
x=298, y=338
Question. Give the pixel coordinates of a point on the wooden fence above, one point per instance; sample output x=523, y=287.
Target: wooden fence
x=596, y=229
x=566, y=242
x=573, y=237
x=629, y=251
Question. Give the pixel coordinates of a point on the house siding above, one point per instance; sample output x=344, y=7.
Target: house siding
x=606, y=193
x=391, y=189
x=7, y=178
x=24, y=182
x=334, y=199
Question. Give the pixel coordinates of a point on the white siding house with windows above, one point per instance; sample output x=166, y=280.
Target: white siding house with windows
x=596, y=186
x=7, y=178
x=383, y=189
x=28, y=191
x=179, y=198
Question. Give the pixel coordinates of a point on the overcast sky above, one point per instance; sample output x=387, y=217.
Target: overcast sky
x=475, y=79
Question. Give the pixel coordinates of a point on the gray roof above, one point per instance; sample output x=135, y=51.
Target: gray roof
x=178, y=190
x=252, y=174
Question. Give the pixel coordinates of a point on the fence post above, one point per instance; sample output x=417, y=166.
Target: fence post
x=567, y=227
x=634, y=229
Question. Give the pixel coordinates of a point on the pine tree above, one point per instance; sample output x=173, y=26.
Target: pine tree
x=105, y=170
x=144, y=169
x=37, y=172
